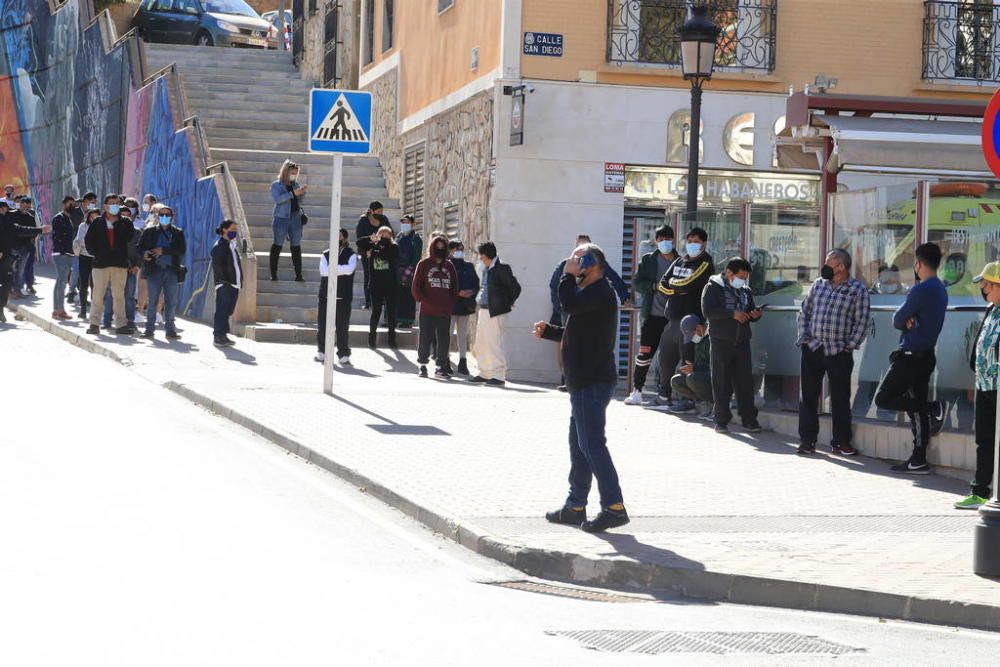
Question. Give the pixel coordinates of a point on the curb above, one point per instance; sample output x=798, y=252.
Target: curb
x=616, y=573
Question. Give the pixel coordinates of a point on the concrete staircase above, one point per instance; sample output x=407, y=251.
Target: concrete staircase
x=254, y=108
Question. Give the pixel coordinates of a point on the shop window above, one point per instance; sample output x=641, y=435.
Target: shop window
x=445, y=4
x=784, y=252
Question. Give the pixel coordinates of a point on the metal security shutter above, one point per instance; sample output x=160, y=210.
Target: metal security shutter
x=413, y=182
x=637, y=234
x=452, y=222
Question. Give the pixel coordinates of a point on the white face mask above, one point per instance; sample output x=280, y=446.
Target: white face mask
x=738, y=283
x=145, y=208
x=459, y=254
x=405, y=227
x=696, y=339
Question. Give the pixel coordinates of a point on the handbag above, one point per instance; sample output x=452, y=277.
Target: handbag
x=305, y=218
x=182, y=272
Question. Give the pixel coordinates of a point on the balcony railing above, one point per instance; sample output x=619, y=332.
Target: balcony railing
x=645, y=31
x=961, y=41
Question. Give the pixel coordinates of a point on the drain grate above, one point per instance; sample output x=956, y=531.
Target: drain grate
x=649, y=642
x=566, y=592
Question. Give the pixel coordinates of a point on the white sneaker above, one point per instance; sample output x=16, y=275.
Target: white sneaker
x=320, y=357
x=635, y=398
x=344, y=361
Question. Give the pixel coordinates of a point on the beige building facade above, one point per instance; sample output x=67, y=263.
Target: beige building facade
x=606, y=133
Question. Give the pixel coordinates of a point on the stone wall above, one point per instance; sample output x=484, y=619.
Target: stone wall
x=459, y=148
x=311, y=66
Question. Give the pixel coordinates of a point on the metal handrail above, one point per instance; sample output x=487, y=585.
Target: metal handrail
x=236, y=204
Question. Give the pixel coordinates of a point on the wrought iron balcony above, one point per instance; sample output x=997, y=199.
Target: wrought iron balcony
x=961, y=41
x=645, y=31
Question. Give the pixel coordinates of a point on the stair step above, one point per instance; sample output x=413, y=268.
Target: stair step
x=305, y=334
x=353, y=183
x=159, y=49
x=302, y=157
x=223, y=75
x=200, y=94
x=197, y=85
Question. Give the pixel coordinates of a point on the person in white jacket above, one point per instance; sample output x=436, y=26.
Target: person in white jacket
x=347, y=264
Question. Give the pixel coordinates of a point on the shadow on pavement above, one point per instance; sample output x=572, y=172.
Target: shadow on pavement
x=242, y=357
x=390, y=427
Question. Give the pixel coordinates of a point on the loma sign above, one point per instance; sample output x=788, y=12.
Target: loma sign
x=543, y=44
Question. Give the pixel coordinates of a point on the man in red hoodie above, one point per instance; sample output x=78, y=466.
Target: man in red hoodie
x=435, y=287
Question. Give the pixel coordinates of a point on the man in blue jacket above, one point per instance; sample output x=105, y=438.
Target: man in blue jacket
x=906, y=385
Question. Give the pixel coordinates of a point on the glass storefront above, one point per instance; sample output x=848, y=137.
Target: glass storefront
x=773, y=219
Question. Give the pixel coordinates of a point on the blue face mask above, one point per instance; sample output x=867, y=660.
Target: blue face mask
x=666, y=247
x=114, y=209
x=230, y=235
x=165, y=220
x=693, y=249
x=738, y=283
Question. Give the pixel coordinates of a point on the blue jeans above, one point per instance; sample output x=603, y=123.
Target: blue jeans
x=164, y=282
x=20, y=266
x=63, y=264
x=130, y=299
x=29, y=265
x=290, y=228
x=588, y=447
x=225, y=305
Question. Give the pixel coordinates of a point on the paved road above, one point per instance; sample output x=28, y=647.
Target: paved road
x=141, y=530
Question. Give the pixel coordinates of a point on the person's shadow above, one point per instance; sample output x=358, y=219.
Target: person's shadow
x=239, y=355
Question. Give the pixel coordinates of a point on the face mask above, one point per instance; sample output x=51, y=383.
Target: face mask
x=230, y=235
x=982, y=292
x=293, y=176
x=693, y=249
x=826, y=273
x=738, y=283
x=440, y=253
x=696, y=339
x=666, y=247
x=91, y=207
x=135, y=211
x=405, y=227
x=459, y=254
x=114, y=209
x=145, y=208
x=164, y=220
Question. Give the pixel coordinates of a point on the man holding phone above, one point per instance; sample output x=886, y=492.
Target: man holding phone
x=729, y=308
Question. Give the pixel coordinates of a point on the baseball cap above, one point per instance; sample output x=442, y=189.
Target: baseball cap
x=990, y=272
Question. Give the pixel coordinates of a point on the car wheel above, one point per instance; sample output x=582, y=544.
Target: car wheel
x=203, y=39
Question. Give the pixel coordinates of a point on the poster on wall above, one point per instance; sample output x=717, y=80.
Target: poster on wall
x=517, y=117
x=614, y=177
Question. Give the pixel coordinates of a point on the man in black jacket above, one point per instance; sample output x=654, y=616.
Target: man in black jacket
x=498, y=291
x=63, y=233
x=11, y=237
x=24, y=247
x=368, y=226
x=108, y=240
x=682, y=284
x=729, y=307
x=587, y=345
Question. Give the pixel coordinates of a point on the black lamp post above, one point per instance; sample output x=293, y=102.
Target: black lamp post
x=698, y=37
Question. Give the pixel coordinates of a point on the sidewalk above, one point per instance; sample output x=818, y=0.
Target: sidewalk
x=737, y=517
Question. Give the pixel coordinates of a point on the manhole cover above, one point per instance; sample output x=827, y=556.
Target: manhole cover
x=566, y=592
x=651, y=642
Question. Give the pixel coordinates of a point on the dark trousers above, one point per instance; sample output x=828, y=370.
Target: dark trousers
x=225, y=305
x=588, y=447
x=383, y=295
x=904, y=389
x=837, y=368
x=649, y=342
x=436, y=330
x=695, y=387
x=366, y=266
x=83, y=282
x=406, y=309
x=342, y=323
x=986, y=420
x=29, y=266
x=732, y=370
x=671, y=342
x=6, y=279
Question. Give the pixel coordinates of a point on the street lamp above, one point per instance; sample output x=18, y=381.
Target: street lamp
x=698, y=37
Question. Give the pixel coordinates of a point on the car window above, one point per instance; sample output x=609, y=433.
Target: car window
x=187, y=7
x=161, y=5
x=238, y=7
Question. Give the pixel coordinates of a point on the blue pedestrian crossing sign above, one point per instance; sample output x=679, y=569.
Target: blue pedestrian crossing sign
x=340, y=121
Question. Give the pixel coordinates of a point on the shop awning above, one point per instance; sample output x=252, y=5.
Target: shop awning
x=885, y=144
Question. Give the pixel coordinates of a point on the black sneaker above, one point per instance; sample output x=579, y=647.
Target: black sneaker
x=126, y=330
x=844, y=450
x=722, y=428
x=911, y=468
x=442, y=373
x=94, y=330
x=562, y=387
x=937, y=417
x=221, y=342
x=493, y=382
x=3, y=317
x=753, y=427
x=606, y=519
x=463, y=367
x=148, y=335
x=567, y=516
x=173, y=335
x=806, y=449
x=479, y=379
x=423, y=371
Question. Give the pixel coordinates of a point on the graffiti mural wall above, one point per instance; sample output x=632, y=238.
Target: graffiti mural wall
x=73, y=119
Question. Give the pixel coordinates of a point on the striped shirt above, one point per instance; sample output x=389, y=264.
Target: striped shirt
x=834, y=317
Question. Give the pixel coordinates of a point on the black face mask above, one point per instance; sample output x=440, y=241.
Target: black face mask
x=440, y=253
x=982, y=292
x=826, y=272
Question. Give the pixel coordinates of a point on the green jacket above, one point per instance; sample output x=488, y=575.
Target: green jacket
x=647, y=278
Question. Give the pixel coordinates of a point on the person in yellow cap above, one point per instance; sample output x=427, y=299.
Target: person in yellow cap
x=985, y=363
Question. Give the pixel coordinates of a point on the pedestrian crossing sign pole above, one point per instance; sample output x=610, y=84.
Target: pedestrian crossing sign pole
x=340, y=122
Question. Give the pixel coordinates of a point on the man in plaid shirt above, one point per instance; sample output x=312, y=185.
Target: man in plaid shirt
x=832, y=324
